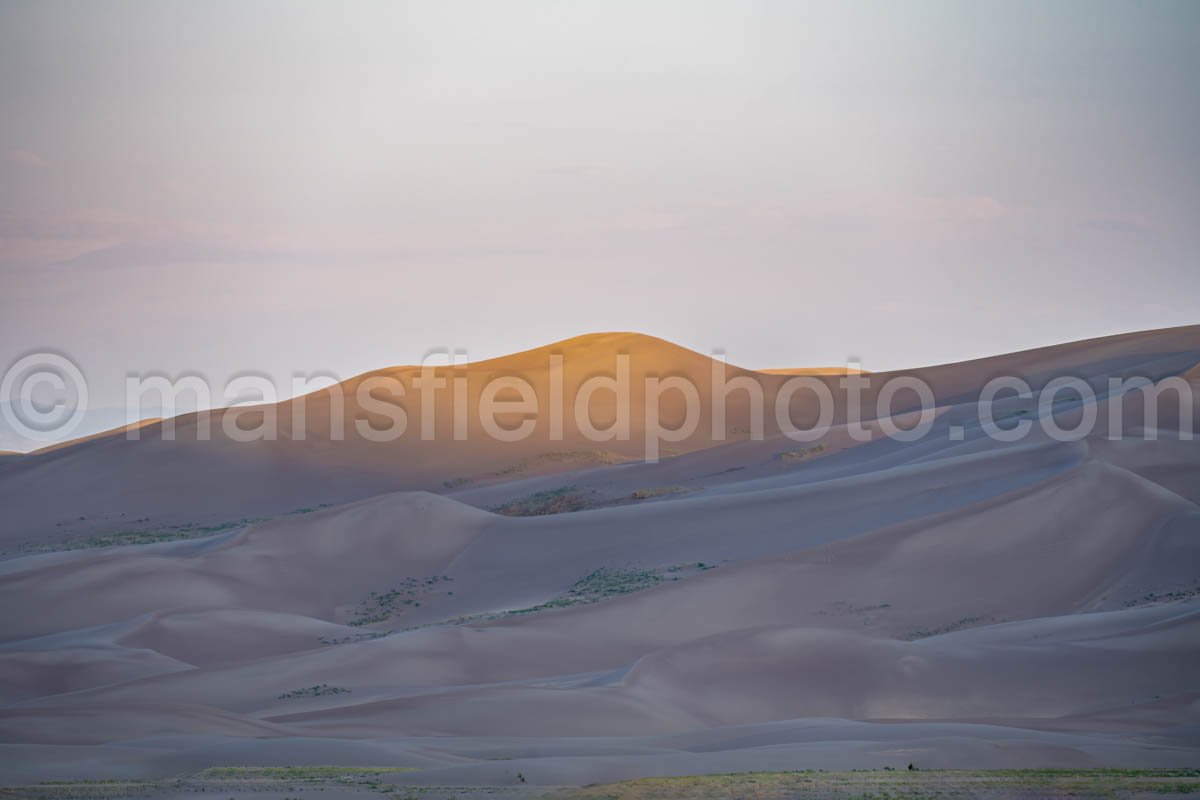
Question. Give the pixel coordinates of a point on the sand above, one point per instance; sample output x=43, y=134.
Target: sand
x=964, y=603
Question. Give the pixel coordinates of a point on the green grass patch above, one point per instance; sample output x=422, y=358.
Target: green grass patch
x=172, y=533
x=661, y=491
x=601, y=584
x=610, y=581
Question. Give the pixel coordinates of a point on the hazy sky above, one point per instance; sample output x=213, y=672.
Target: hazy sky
x=230, y=186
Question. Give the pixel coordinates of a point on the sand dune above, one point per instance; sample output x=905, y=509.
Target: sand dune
x=741, y=605
x=112, y=433
x=814, y=371
x=119, y=484
x=312, y=564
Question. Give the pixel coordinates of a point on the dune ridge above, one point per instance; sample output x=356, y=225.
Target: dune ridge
x=118, y=483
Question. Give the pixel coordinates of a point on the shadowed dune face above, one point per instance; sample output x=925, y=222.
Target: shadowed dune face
x=745, y=604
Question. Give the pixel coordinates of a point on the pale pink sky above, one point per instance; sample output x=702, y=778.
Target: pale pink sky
x=230, y=186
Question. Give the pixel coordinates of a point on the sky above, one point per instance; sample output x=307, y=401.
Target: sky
x=271, y=187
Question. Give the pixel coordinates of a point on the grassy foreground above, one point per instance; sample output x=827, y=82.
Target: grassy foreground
x=229, y=781
x=331, y=783
x=903, y=785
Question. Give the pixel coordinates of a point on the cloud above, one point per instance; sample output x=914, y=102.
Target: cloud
x=912, y=209
x=108, y=238
x=26, y=158
x=859, y=209
x=38, y=239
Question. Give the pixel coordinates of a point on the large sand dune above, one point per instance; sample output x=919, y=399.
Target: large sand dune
x=955, y=601
x=109, y=483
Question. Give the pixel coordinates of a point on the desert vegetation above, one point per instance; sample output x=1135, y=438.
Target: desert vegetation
x=903, y=783
x=575, y=458
x=599, y=584
x=319, y=690
x=800, y=454
x=661, y=491
x=382, y=606
x=562, y=500
x=154, y=535
x=887, y=783
x=1165, y=596
x=605, y=582
x=132, y=536
x=950, y=627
